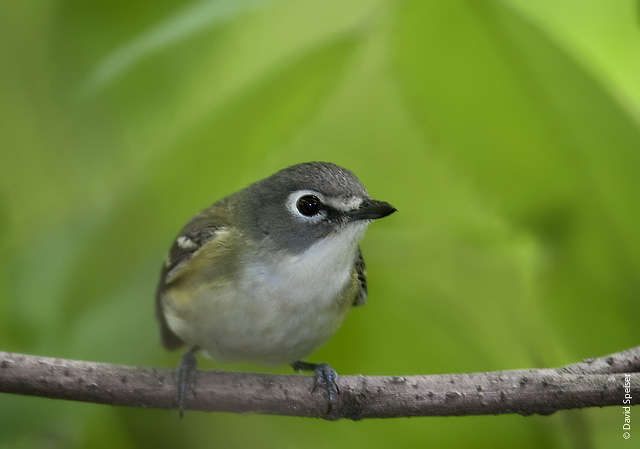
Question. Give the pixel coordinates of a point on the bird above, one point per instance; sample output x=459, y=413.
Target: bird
x=267, y=274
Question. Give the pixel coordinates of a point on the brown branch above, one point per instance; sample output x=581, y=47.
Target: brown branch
x=591, y=383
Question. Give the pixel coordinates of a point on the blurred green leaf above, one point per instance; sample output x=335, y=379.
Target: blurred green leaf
x=181, y=25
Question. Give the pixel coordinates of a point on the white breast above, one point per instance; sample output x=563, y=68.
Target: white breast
x=285, y=306
x=319, y=273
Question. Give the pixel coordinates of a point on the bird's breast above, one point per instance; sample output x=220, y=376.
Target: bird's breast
x=279, y=307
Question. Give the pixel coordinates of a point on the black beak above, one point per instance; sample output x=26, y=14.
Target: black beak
x=372, y=209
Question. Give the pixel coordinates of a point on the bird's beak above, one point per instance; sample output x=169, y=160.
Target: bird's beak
x=372, y=209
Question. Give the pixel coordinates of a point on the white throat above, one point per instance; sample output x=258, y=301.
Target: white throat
x=326, y=265
x=317, y=274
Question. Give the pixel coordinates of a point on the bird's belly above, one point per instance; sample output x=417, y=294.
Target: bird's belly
x=270, y=332
x=276, y=310
x=269, y=323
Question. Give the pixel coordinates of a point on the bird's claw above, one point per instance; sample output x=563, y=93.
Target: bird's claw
x=322, y=374
x=185, y=378
x=326, y=375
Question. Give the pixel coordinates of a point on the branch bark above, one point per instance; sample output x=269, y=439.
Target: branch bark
x=594, y=382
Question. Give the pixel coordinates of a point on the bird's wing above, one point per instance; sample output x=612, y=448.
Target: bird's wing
x=361, y=273
x=201, y=229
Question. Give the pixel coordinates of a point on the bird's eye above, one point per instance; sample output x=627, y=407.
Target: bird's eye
x=308, y=205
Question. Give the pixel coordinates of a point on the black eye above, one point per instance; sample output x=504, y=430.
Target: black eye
x=308, y=205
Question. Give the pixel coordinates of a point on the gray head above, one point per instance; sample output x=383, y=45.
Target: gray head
x=301, y=204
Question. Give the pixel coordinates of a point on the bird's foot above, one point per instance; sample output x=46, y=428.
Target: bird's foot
x=185, y=377
x=322, y=374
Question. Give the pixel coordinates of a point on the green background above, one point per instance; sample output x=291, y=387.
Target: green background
x=507, y=133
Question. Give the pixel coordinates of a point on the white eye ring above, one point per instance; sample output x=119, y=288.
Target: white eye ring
x=292, y=205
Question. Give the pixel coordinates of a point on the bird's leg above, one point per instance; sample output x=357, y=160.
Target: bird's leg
x=185, y=377
x=322, y=373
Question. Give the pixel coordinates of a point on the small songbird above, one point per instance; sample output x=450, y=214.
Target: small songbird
x=267, y=274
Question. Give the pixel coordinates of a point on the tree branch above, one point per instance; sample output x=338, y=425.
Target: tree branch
x=593, y=382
